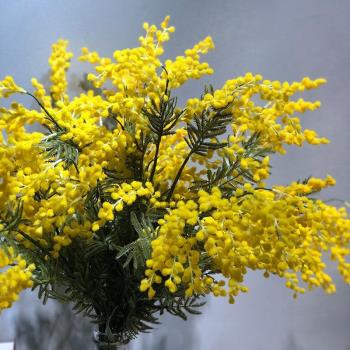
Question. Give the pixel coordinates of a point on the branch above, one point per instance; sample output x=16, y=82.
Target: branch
x=206, y=126
x=49, y=116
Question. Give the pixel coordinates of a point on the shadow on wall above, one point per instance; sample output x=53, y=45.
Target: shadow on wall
x=160, y=344
x=292, y=343
x=173, y=333
x=62, y=330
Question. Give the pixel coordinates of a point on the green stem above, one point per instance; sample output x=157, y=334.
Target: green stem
x=50, y=117
x=33, y=241
x=177, y=177
x=155, y=159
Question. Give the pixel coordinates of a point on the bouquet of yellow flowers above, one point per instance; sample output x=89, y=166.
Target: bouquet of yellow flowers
x=128, y=205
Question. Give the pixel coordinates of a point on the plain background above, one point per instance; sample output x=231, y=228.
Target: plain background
x=280, y=39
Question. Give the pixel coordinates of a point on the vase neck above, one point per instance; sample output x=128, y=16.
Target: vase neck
x=108, y=342
x=110, y=346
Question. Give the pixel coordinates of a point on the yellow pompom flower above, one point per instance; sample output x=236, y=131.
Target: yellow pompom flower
x=15, y=275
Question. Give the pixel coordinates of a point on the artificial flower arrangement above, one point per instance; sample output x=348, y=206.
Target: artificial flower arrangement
x=127, y=205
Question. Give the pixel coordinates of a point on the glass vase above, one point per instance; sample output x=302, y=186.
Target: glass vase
x=108, y=342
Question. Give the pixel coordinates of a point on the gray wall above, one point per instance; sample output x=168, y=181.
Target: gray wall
x=282, y=40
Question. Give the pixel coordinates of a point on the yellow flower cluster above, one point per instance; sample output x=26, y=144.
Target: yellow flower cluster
x=41, y=94
x=264, y=107
x=272, y=231
x=8, y=87
x=100, y=147
x=310, y=186
x=125, y=194
x=13, y=279
x=135, y=72
x=59, y=63
x=171, y=250
x=189, y=66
